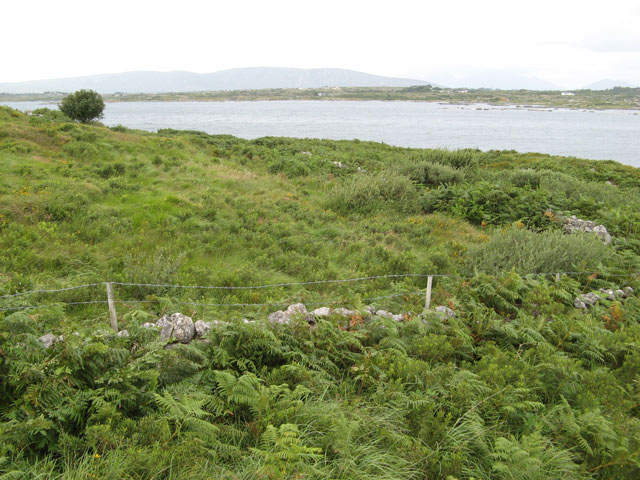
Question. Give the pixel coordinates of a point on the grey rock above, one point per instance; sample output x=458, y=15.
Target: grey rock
x=446, y=311
x=278, y=317
x=628, y=291
x=398, y=317
x=619, y=293
x=177, y=326
x=149, y=325
x=202, y=328
x=49, y=339
x=123, y=333
x=589, y=298
x=321, y=312
x=608, y=293
x=573, y=224
x=338, y=164
x=579, y=304
x=296, y=309
x=344, y=312
x=371, y=309
x=384, y=314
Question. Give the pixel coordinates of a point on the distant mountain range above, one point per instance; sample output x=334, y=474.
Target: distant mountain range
x=606, y=84
x=234, y=79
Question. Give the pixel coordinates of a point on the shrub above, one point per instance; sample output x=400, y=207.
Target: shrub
x=372, y=192
x=525, y=177
x=429, y=173
x=529, y=252
x=83, y=106
x=464, y=158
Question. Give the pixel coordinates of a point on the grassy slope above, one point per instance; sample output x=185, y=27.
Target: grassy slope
x=519, y=385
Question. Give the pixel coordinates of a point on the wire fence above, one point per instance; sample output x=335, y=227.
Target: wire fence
x=335, y=301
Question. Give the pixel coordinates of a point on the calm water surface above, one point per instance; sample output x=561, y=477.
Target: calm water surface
x=600, y=135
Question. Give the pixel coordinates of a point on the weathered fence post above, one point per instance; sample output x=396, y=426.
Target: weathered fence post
x=557, y=277
x=427, y=301
x=112, y=308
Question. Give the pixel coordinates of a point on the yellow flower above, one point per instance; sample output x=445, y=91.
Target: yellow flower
x=97, y=455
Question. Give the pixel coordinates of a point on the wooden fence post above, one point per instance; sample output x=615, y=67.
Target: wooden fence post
x=112, y=308
x=427, y=301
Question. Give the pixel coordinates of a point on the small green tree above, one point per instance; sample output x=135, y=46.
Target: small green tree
x=83, y=106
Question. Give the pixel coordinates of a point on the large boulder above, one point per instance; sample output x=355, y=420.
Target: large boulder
x=177, y=327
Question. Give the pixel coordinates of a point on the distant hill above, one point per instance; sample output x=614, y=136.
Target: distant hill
x=607, y=83
x=492, y=79
x=234, y=79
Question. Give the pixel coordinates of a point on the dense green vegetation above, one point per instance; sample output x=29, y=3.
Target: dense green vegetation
x=83, y=106
x=616, y=98
x=519, y=385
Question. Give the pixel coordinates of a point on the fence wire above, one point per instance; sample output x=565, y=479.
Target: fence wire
x=265, y=286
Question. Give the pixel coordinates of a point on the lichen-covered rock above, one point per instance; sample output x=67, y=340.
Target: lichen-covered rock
x=321, y=312
x=384, y=314
x=579, y=304
x=202, y=328
x=445, y=311
x=573, y=224
x=296, y=309
x=49, y=339
x=619, y=293
x=149, y=325
x=123, y=333
x=177, y=326
x=589, y=298
x=278, y=317
x=344, y=312
x=608, y=293
x=628, y=291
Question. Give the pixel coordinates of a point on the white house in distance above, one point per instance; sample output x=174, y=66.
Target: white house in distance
x=567, y=94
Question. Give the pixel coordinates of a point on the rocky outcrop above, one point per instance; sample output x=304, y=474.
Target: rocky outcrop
x=589, y=299
x=574, y=224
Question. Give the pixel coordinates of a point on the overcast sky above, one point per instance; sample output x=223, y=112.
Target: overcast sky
x=456, y=42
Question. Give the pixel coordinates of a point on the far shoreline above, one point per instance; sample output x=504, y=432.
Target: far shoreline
x=613, y=99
